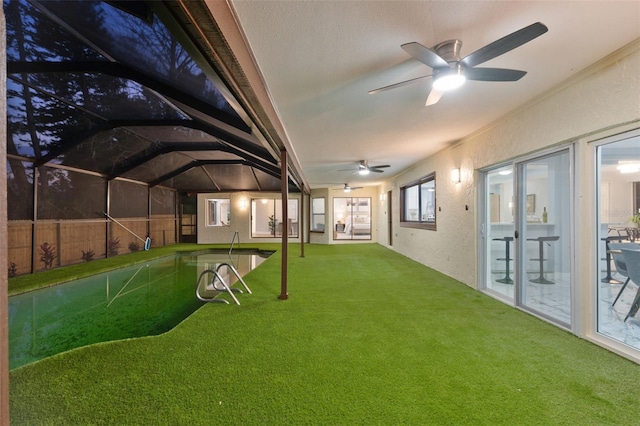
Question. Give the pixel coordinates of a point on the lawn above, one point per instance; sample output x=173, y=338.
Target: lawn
x=367, y=336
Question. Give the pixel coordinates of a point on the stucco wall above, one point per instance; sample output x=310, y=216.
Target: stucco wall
x=604, y=96
x=372, y=192
x=240, y=218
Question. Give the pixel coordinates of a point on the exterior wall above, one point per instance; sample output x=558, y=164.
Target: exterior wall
x=240, y=218
x=329, y=194
x=603, y=97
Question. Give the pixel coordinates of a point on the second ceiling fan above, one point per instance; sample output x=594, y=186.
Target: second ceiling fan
x=450, y=70
x=348, y=188
x=364, y=168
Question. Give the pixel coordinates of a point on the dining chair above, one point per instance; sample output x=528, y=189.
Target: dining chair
x=614, y=250
x=632, y=259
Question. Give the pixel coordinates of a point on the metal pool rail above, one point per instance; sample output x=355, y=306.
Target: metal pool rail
x=217, y=278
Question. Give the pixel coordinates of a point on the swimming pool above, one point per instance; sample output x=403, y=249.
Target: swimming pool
x=140, y=300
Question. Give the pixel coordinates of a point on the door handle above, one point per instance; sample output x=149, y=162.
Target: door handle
x=516, y=234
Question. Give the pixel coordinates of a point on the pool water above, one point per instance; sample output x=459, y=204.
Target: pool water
x=141, y=300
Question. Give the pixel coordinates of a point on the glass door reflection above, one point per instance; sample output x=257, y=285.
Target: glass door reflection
x=545, y=239
x=618, y=198
x=500, y=251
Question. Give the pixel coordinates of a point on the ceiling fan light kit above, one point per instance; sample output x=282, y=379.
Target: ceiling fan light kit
x=449, y=79
x=450, y=70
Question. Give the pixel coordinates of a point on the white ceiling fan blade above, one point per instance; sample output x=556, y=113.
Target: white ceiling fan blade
x=433, y=98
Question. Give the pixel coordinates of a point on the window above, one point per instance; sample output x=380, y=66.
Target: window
x=218, y=212
x=352, y=218
x=317, y=215
x=266, y=218
x=418, y=201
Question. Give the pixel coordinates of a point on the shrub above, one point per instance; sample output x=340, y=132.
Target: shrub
x=134, y=246
x=13, y=269
x=47, y=254
x=113, y=247
x=87, y=256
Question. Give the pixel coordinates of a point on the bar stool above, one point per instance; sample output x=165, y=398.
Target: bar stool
x=541, y=240
x=507, y=279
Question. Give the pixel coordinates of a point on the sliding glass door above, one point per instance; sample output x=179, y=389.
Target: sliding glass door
x=499, y=231
x=618, y=182
x=545, y=237
x=526, y=235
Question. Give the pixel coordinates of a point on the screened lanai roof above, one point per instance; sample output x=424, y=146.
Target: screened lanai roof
x=105, y=87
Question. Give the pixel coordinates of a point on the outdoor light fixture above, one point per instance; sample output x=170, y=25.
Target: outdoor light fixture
x=449, y=79
x=455, y=175
x=243, y=203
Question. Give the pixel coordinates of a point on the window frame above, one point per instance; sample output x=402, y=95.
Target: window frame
x=213, y=218
x=317, y=215
x=419, y=223
x=353, y=203
x=293, y=211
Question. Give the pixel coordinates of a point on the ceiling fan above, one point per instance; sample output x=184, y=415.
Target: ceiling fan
x=348, y=188
x=450, y=70
x=364, y=168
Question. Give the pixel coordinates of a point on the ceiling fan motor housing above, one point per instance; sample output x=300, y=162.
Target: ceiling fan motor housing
x=449, y=50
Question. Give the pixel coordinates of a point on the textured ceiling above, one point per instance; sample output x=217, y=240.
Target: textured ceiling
x=319, y=59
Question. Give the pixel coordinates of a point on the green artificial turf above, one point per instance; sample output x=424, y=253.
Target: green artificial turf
x=366, y=337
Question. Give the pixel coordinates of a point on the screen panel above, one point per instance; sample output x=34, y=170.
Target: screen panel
x=64, y=194
x=162, y=200
x=128, y=199
x=19, y=190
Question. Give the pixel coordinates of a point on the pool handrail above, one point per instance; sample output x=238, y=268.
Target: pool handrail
x=225, y=286
x=235, y=234
x=235, y=272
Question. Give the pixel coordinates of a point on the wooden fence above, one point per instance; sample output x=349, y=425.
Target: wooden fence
x=75, y=241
